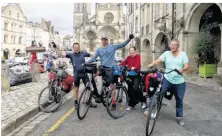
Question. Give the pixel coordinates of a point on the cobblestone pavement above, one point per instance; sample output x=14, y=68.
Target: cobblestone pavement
x=21, y=97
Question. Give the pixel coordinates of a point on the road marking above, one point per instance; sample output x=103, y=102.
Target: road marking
x=59, y=122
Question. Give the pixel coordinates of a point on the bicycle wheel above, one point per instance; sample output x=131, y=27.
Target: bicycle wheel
x=84, y=103
x=151, y=119
x=52, y=99
x=120, y=97
x=104, y=94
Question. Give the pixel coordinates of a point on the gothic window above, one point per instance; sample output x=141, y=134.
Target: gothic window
x=166, y=9
x=10, y=13
x=157, y=9
x=143, y=17
x=108, y=17
x=136, y=24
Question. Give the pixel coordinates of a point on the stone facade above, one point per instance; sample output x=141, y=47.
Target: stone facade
x=160, y=22
x=107, y=21
x=13, y=30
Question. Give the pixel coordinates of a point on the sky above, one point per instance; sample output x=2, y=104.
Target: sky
x=60, y=14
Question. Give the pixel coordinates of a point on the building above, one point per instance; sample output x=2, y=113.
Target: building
x=160, y=22
x=107, y=21
x=33, y=33
x=47, y=33
x=67, y=42
x=13, y=30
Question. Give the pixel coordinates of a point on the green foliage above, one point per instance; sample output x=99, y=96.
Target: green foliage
x=204, y=48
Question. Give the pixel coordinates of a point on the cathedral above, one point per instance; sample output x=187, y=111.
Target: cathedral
x=107, y=20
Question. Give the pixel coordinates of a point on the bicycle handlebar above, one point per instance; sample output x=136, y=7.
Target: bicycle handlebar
x=162, y=71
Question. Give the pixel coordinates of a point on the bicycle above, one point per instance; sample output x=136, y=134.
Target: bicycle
x=156, y=101
x=87, y=94
x=54, y=91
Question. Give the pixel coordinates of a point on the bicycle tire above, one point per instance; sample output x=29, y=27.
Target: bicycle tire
x=79, y=102
x=54, y=109
x=108, y=103
x=104, y=95
x=149, y=119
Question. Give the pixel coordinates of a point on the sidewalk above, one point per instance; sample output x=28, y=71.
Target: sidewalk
x=210, y=83
x=20, y=103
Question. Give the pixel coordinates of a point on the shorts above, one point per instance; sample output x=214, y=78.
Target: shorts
x=107, y=74
x=78, y=76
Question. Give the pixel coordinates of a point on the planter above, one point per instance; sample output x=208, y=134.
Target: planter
x=207, y=70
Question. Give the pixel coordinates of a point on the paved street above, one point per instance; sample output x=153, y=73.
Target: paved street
x=203, y=117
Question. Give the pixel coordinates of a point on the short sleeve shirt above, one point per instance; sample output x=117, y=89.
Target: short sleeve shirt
x=174, y=62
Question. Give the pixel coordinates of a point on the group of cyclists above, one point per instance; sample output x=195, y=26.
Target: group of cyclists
x=173, y=59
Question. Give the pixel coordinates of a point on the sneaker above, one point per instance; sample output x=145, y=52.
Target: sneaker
x=113, y=107
x=93, y=105
x=129, y=108
x=76, y=106
x=146, y=112
x=143, y=105
x=181, y=121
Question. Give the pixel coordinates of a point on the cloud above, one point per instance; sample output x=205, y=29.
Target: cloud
x=60, y=14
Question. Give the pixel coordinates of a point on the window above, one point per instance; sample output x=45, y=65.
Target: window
x=20, y=28
x=18, y=16
x=157, y=9
x=5, y=39
x=137, y=5
x=165, y=9
x=12, y=27
x=6, y=26
x=136, y=27
x=131, y=8
x=12, y=39
x=10, y=13
x=175, y=11
x=20, y=40
x=78, y=7
x=147, y=29
x=131, y=28
x=143, y=17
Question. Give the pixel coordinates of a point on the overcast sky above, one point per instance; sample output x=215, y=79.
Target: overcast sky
x=60, y=14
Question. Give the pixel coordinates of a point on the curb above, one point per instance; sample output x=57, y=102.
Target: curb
x=15, y=121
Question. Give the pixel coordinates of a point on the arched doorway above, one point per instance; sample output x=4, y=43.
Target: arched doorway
x=207, y=16
x=146, y=53
x=91, y=36
x=161, y=44
x=6, y=53
x=109, y=31
x=209, y=22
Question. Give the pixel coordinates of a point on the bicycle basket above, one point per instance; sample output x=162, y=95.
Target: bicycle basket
x=62, y=74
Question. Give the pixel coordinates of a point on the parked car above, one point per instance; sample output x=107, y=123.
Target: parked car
x=19, y=74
